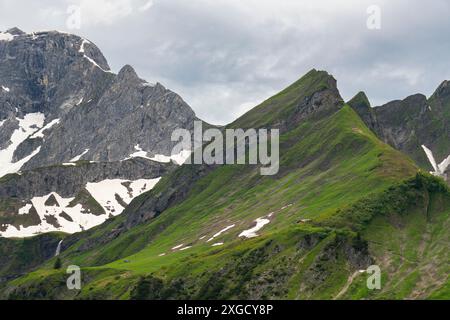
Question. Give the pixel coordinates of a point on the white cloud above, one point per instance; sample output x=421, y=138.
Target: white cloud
x=146, y=6
x=104, y=11
x=410, y=75
x=98, y=12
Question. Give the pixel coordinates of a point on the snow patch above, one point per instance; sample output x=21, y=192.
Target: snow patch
x=82, y=219
x=179, y=159
x=220, y=232
x=439, y=170
x=82, y=50
x=178, y=246
x=147, y=84
x=5, y=89
x=26, y=209
x=285, y=207
x=103, y=192
x=185, y=248
x=77, y=158
x=4, y=36
x=97, y=65
x=251, y=233
x=139, y=153
x=217, y=244
x=40, y=133
x=82, y=45
x=27, y=126
x=106, y=192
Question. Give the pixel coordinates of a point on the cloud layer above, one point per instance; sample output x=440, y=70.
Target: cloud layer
x=225, y=56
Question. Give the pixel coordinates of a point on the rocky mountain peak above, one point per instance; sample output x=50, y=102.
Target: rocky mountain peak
x=313, y=95
x=361, y=105
x=127, y=73
x=360, y=101
x=443, y=91
x=15, y=31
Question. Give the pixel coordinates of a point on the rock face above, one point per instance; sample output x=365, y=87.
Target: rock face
x=68, y=123
x=69, y=180
x=410, y=123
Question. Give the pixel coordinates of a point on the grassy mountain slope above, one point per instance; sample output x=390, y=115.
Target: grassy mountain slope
x=337, y=206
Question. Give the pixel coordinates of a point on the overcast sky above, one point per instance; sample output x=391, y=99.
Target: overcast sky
x=226, y=56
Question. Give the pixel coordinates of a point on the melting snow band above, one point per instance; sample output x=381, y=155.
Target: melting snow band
x=65, y=216
x=30, y=124
x=249, y=233
x=439, y=169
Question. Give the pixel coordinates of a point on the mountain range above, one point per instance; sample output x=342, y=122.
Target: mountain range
x=87, y=173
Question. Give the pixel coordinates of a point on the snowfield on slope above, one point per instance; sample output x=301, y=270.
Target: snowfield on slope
x=179, y=158
x=40, y=133
x=78, y=157
x=106, y=192
x=82, y=50
x=4, y=36
x=220, y=232
x=31, y=123
x=56, y=217
x=251, y=233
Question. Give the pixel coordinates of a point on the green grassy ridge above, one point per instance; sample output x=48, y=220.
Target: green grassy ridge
x=327, y=163
x=301, y=261
x=339, y=269
x=219, y=196
x=302, y=162
x=320, y=272
x=281, y=106
x=360, y=100
x=313, y=191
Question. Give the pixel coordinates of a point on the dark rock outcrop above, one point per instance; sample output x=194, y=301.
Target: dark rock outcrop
x=410, y=123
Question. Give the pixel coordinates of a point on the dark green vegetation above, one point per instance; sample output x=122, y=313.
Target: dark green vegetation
x=19, y=256
x=342, y=201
